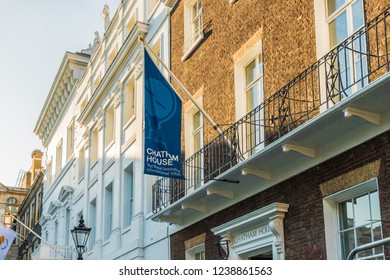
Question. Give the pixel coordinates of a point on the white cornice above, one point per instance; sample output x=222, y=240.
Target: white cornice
x=261, y=215
x=69, y=72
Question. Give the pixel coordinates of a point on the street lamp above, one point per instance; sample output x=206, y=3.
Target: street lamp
x=223, y=245
x=80, y=236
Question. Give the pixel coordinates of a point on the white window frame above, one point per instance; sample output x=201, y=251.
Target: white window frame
x=192, y=37
x=322, y=25
x=197, y=130
x=59, y=152
x=109, y=128
x=331, y=215
x=67, y=226
x=198, y=250
x=92, y=222
x=49, y=172
x=322, y=21
x=94, y=150
x=128, y=197
x=190, y=132
x=81, y=165
x=70, y=140
x=56, y=231
x=156, y=48
x=108, y=210
x=240, y=89
x=356, y=58
x=129, y=101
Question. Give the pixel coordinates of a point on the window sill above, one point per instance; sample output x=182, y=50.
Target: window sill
x=80, y=179
x=112, y=142
x=70, y=157
x=107, y=241
x=192, y=47
x=126, y=229
x=128, y=143
x=129, y=122
x=94, y=164
x=109, y=163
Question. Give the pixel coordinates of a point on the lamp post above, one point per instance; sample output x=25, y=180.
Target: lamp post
x=80, y=236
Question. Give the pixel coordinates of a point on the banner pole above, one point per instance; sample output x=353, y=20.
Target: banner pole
x=29, y=229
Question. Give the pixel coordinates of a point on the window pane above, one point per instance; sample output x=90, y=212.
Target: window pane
x=250, y=72
x=346, y=214
x=196, y=120
x=128, y=186
x=333, y=5
x=357, y=14
x=199, y=256
x=109, y=132
x=377, y=231
x=196, y=28
x=364, y=254
x=129, y=103
x=377, y=235
x=363, y=235
x=362, y=210
x=252, y=98
x=196, y=9
x=196, y=141
x=348, y=242
x=338, y=30
x=375, y=210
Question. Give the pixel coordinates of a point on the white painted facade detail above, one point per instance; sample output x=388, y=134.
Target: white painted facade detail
x=106, y=185
x=256, y=232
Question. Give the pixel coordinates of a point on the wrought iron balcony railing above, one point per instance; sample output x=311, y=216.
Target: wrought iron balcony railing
x=347, y=68
x=52, y=252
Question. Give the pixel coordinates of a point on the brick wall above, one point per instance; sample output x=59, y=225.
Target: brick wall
x=304, y=222
x=288, y=37
x=288, y=45
x=374, y=8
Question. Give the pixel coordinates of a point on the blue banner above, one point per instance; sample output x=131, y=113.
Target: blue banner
x=162, y=152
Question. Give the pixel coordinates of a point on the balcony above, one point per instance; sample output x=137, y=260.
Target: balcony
x=335, y=104
x=52, y=252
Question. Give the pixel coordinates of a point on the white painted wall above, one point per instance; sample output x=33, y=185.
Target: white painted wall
x=143, y=239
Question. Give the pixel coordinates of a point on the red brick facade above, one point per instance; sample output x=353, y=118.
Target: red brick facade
x=304, y=222
x=288, y=39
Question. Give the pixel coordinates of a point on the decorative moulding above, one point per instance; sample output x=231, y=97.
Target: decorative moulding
x=368, y=116
x=309, y=152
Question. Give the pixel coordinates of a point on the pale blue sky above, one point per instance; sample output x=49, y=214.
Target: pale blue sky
x=34, y=35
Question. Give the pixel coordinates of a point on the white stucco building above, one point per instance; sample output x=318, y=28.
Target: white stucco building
x=91, y=126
